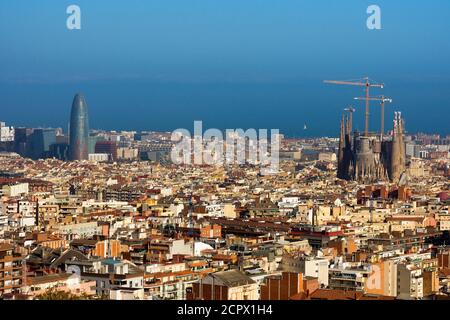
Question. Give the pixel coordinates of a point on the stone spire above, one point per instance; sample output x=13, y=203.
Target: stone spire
x=340, y=171
x=398, y=156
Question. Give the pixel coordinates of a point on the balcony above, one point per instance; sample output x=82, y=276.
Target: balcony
x=343, y=277
x=170, y=288
x=350, y=287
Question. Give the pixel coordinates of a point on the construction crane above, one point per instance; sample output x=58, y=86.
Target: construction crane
x=350, y=110
x=364, y=82
x=382, y=100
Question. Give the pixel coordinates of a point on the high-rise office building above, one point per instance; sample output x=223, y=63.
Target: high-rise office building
x=39, y=142
x=20, y=140
x=108, y=147
x=93, y=141
x=60, y=151
x=79, y=129
x=6, y=133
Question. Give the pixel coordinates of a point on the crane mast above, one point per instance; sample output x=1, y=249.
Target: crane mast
x=365, y=82
x=382, y=100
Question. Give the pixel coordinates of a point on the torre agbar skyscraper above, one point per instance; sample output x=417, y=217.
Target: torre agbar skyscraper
x=79, y=129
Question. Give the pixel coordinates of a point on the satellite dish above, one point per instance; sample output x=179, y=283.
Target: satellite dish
x=74, y=270
x=75, y=274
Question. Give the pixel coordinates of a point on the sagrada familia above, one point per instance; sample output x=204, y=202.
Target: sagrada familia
x=371, y=158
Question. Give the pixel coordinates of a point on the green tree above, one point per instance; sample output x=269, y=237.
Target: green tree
x=55, y=294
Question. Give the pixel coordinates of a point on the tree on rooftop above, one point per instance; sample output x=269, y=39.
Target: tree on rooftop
x=55, y=294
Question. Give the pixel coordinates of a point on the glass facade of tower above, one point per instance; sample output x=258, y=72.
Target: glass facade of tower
x=39, y=143
x=79, y=129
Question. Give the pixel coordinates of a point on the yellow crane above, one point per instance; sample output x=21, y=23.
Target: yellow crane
x=382, y=100
x=364, y=82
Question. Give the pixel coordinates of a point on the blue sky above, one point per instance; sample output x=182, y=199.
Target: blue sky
x=160, y=65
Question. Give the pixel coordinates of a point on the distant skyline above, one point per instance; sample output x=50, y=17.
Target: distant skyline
x=160, y=65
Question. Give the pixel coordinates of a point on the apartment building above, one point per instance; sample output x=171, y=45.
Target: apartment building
x=351, y=279
x=224, y=285
x=287, y=285
x=116, y=279
x=11, y=270
x=66, y=282
x=309, y=266
x=409, y=282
